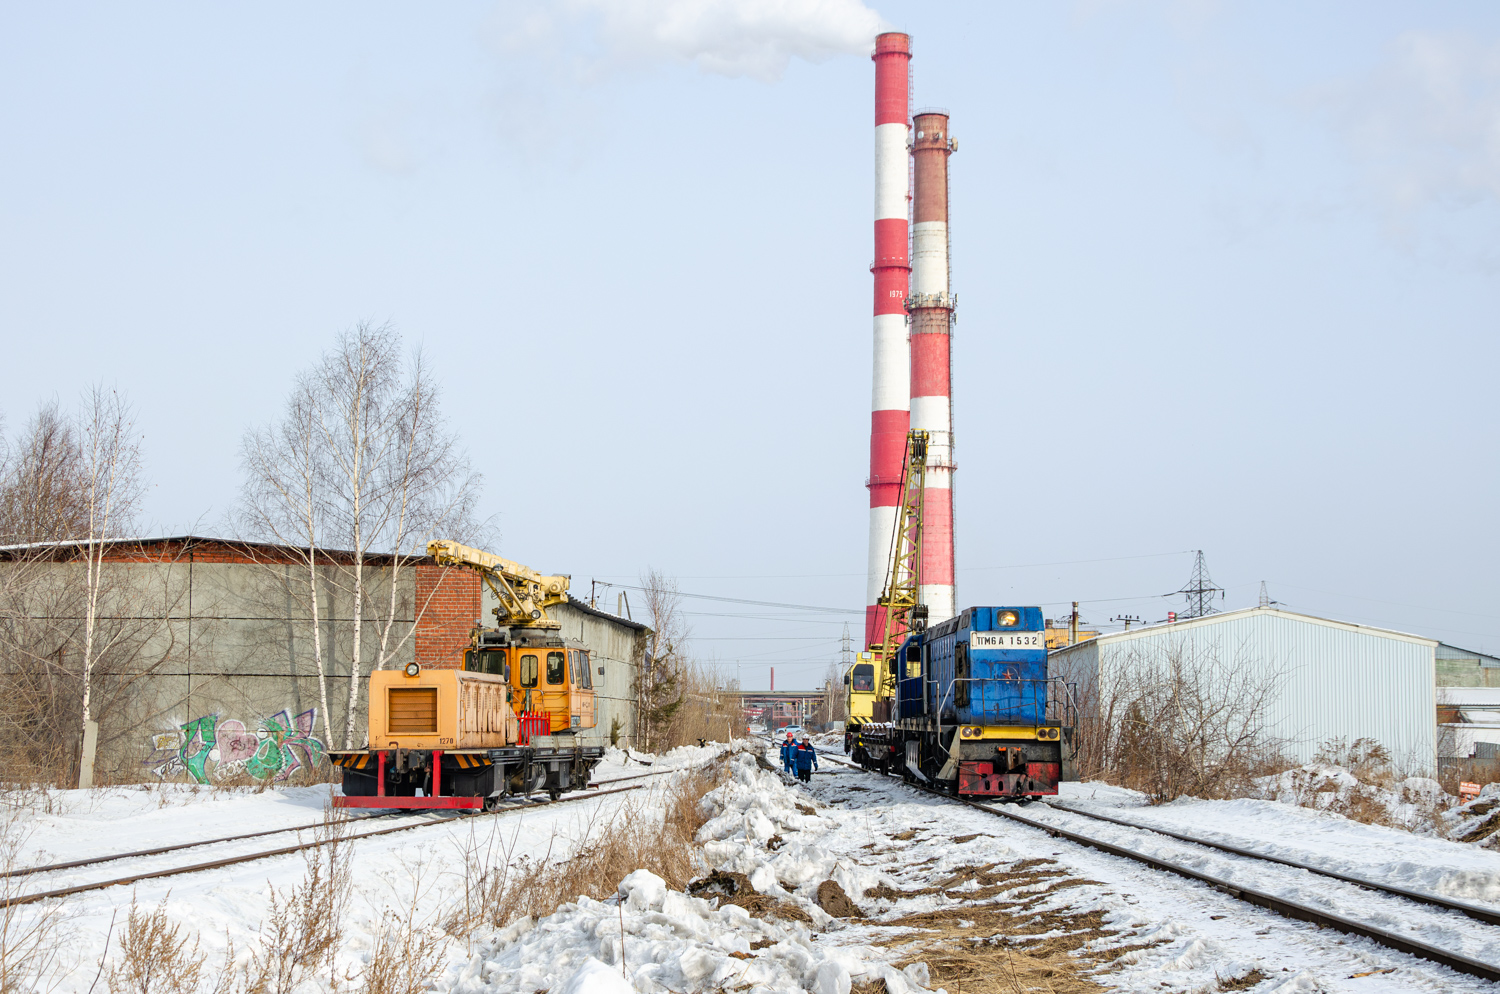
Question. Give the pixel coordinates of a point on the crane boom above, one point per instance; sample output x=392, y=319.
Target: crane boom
x=902, y=600
x=523, y=593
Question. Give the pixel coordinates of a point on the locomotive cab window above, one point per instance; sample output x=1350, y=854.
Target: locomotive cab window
x=528, y=670
x=557, y=668
x=864, y=678
x=481, y=661
x=913, y=662
x=585, y=679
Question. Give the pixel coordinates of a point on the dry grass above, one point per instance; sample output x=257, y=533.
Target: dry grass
x=707, y=714
x=407, y=957
x=999, y=938
x=1000, y=969
x=296, y=945
x=1242, y=983
x=156, y=957
x=304, y=926
x=499, y=889
x=31, y=935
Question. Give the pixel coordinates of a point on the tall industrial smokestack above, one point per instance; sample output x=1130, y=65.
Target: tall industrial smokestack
x=890, y=407
x=930, y=304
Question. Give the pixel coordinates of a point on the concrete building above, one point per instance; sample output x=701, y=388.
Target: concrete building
x=1466, y=668
x=1323, y=679
x=209, y=648
x=1468, y=714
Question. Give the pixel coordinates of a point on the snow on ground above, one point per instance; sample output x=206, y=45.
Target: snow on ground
x=895, y=852
x=1203, y=933
x=884, y=844
x=421, y=868
x=1308, y=835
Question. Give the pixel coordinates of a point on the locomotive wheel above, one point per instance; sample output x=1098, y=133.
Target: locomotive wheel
x=553, y=793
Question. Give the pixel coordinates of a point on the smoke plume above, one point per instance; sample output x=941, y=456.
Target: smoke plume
x=755, y=38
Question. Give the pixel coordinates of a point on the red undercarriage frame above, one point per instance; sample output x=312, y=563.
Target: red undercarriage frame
x=423, y=803
x=980, y=778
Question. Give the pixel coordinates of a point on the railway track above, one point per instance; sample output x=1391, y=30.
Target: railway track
x=1270, y=902
x=412, y=822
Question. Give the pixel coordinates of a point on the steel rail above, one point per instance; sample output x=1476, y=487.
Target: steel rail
x=1269, y=902
x=109, y=858
x=1475, y=911
x=20, y=899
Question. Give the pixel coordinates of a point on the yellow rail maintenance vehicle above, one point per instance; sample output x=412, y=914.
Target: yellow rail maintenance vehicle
x=870, y=684
x=505, y=724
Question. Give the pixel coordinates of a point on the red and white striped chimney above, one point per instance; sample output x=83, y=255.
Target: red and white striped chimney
x=891, y=402
x=930, y=304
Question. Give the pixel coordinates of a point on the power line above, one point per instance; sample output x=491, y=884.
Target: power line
x=741, y=600
x=965, y=569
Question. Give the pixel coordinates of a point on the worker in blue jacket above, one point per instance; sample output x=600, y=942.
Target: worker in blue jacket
x=788, y=760
x=807, y=759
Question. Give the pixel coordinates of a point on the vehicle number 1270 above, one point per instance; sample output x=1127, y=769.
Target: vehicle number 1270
x=1005, y=640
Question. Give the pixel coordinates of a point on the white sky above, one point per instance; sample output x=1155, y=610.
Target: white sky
x=1227, y=279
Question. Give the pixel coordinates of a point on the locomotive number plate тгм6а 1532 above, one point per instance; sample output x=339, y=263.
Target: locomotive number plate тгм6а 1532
x=1006, y=640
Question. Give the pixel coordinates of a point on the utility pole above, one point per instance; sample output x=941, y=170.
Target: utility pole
x=1127, y=619
x=1199, y=591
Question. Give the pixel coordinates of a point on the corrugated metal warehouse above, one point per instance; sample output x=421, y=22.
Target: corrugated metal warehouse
x=1324, y=679
x=211, y=647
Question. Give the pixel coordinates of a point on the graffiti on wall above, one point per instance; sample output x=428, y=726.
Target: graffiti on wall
x=213, y=748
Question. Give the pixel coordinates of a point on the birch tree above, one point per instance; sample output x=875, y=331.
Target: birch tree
x=282, y=500
x=364, y=463
x=111, y=477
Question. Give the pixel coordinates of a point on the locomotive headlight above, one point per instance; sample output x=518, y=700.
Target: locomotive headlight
x=1008, y=619
x=412, y=669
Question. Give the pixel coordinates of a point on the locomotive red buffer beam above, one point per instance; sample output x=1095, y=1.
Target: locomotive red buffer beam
x=985, y=778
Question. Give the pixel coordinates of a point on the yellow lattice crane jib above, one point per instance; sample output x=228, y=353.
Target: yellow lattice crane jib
x=902, y=599
x=523, y=593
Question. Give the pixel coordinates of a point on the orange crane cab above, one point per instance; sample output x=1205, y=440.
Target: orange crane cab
x=550, y=676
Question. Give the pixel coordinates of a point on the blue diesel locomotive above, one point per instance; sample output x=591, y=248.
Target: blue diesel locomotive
x=975, y=712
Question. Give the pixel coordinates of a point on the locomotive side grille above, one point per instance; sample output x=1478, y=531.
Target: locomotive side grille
x=412, y=711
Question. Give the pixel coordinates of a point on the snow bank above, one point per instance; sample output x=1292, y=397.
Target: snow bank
x=1413, y=804
x=652, y=938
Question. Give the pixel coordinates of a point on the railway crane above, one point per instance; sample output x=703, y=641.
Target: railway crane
x=870, y=684
x=504, y=723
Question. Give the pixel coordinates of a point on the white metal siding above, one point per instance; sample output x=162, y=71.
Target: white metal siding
x=1335, y=680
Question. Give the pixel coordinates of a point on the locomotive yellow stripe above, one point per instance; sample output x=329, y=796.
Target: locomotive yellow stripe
x=974, y=733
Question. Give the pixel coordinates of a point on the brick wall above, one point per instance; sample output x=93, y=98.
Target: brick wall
x=448, y=606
